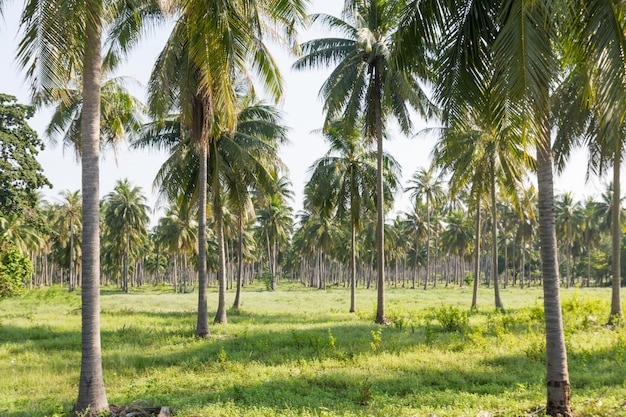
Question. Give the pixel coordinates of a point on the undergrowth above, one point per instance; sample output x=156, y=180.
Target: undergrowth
x=298, y=352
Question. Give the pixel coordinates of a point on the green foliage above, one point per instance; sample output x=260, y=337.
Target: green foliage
x=376, y=339
x=451, y=318
x=15, y=271
x=268, y=279
x=21, y=175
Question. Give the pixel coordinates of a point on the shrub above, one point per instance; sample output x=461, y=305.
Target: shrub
x=15, y=271
x=451, y=318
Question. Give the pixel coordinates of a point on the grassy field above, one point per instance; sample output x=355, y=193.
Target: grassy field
x=297, y=352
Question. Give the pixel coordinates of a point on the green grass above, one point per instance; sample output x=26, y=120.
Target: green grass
x=297, y=352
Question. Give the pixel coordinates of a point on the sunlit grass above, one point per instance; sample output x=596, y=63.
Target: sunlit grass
x=298, y=352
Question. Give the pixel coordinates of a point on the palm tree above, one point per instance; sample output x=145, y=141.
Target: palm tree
x=68, y=222
x=366, y=86
x=51, y=63
x=426, y=187
x=208, y=49
x=120, y=115
x=457, y=236
x=566, y=224
x=512, y=42
x=275, y=221
x=346, y=178
x=126, y=217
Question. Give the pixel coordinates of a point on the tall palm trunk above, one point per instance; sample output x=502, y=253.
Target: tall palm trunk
x=220, y=314
x=427, y=277
x=72, y=267
x=91, y=393
x=476, y=257
x=380, y=204
x=352, y=267
x=125, y=260
x=616, y=238
x=557, y=376
x=202, y=326
x=494, y=239
x=237, y=303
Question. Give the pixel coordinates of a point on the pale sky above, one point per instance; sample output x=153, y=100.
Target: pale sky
x=302, y=114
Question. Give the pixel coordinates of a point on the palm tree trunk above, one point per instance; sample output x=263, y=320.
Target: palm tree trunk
x=616, y=238
x=202, y=326
x=494, y=240
x=72, y=267
x=476, y=257
x=557, y=376
x=380, y=206
x=352, y=268
x=237, y=303
x=220, y=314
x=92, y=397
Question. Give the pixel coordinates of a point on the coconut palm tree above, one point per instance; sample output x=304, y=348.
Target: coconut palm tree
x=514, y=41
x=126, y=217
x=210, y=46
x=345, y=178
x=274, y=220
x=68, y=223
x=426, y=186
x=367, y=86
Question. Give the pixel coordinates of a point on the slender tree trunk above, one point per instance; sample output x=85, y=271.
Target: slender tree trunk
x=380, y=206
x=494, y=239
x=220, y=314
x=72, y=267
x=353, y=268
x=476, y=257
x=616, y=235
x=202, y=326
x=92, y=397
x=557, y=376
x=237, y=303
x=427, y=277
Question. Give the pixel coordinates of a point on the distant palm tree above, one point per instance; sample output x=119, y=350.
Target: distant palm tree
x=275, y=221
x=567, y=221
x=344, y=181
x=68, y=223
x=367, y=86
x=426, y=186
x=126, y=217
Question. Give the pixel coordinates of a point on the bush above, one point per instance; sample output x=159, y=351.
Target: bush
x=15, y=271
x=451, y=318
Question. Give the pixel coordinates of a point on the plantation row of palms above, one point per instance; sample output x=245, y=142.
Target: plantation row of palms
x=432, y=244
x=505, y=76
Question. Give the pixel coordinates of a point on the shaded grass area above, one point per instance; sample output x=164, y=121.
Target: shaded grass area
x=297, y=352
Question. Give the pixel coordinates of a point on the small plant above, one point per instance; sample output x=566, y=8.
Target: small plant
x=376, y=340
x=451, y=318
x=221, y=356
x=331, y=340
x=365, y=392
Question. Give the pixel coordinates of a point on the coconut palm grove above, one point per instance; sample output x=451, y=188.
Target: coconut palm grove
x=492, y=295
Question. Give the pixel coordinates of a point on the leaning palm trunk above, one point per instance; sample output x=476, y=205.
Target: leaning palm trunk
x=557, y=376
x=92, y=397
x=202, y=326
x=616, y=237
x=380, y=206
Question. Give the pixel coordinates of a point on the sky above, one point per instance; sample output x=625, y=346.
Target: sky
x=301, y=106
